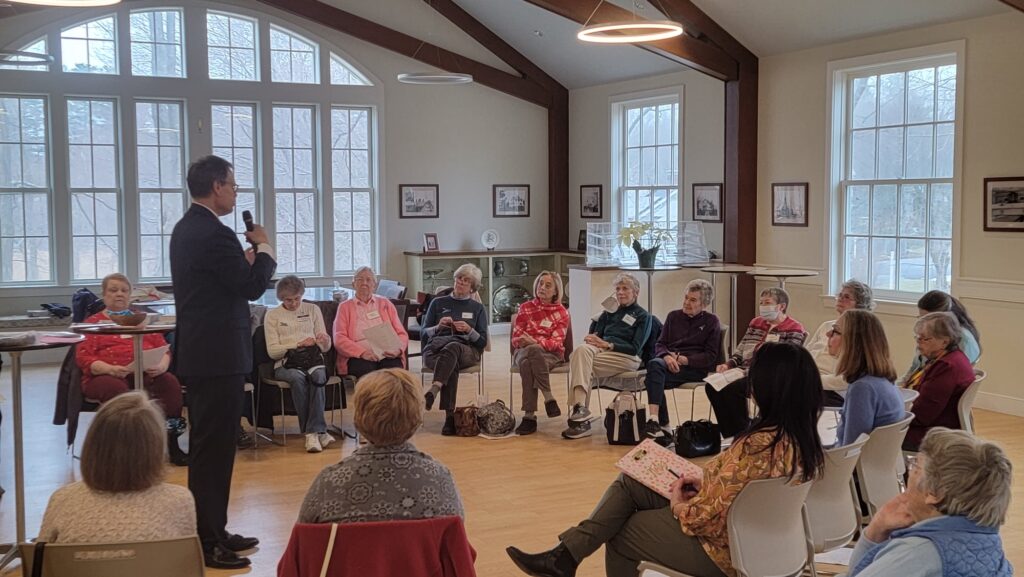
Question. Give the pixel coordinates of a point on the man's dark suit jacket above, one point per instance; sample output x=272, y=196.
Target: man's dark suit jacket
x=213, y=284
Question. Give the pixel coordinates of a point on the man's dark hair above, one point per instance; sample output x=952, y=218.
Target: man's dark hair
x=204, y=173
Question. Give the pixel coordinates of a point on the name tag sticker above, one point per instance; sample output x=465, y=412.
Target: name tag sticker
x=545, y=323
x=373, y=315
x=467, y=316
x=772, y=338
x=629, y=319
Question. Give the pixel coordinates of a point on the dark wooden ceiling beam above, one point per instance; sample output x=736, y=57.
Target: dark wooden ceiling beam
x=687, y=13
x=1018, y=4
x=686, y=50
x=348, y=23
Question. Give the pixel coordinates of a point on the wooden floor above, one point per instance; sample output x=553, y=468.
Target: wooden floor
x=520, y=491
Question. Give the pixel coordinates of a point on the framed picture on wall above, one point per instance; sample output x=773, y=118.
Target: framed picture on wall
x=789, y=203
x=511, y=200
x=430, y=242
x=418, y=201
x=1004, y=204
x=590, y=201
x=707, y=201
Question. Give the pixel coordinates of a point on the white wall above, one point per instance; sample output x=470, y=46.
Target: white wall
x=987, y=274
x=703, y=130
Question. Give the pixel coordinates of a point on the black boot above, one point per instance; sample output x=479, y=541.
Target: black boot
x=175, y=427
x=557, y=562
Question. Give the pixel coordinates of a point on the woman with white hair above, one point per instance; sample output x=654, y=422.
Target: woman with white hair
x=947, y=522
x=356, y=356
x=852, y=295
x=454, y=337
x=538, y=345
x=612, y=346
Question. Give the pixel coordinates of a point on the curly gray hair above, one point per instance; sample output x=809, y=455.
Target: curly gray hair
x=971, y=477
x=707, y=294
x=472, y=272
x=626, y=279
x=940, y=326
x=862, y=295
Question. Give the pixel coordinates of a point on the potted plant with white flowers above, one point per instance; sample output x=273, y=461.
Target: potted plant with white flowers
x=645, y=239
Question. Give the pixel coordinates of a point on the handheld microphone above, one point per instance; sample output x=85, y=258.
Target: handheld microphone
x=247, y=219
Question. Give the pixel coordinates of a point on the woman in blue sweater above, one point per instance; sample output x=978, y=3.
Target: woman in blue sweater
x=872, y=399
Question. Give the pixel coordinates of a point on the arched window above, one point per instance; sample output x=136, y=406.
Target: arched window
x=292, y=58
x=343, y=73
x=37, y=46
x=90, y=47
x=231, y=47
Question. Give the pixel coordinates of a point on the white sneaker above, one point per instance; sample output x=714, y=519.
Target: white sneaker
x=325, y=439
x=313, y=443
x=579, y=414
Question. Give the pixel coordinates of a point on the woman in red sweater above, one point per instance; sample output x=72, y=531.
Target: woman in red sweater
x=106, y=363
x=538, y=345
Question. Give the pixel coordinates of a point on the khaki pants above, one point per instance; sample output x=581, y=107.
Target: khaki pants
x=534, y=364
x=588, y=361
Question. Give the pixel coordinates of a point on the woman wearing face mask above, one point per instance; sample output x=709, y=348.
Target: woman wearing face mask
x=772, y=325
x=852, y=295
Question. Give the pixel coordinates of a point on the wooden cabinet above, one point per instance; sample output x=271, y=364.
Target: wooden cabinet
x=505, y=272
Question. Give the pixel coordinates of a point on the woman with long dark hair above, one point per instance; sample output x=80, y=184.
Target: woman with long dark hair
x=688, y=532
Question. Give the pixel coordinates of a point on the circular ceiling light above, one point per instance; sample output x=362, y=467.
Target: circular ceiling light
x=68, y=3
x=20, y=58
x=630, y=32
x=435, y=78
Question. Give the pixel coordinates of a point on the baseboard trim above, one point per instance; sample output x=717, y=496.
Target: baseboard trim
x=1000, y=403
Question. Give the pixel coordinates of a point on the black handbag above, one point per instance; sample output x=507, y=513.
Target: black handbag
x=698, y=439
x=304, y=358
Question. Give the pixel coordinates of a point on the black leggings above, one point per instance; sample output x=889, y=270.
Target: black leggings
x=730, y=406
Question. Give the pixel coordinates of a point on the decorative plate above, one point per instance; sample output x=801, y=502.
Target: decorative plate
x=490, y=239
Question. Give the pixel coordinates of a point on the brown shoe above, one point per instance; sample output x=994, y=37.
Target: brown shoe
x=552, y=408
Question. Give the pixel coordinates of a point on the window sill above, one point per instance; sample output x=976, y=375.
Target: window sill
x=882, y=306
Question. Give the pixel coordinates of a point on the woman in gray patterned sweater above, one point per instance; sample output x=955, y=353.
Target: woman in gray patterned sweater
x=388, y=479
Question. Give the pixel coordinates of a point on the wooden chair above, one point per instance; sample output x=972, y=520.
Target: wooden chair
x=182, y=557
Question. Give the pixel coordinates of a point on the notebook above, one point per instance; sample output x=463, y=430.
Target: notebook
x=652, y=465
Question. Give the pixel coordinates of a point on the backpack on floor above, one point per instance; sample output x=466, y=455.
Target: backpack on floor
x=624, y=420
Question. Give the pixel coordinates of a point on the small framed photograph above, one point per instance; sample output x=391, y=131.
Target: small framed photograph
x=707, y=201
x=511, y=200
x=1004, y=204
x=430, y=242
x=581, y=244
x=590, y=201
x=789, y=203
x=417, y=201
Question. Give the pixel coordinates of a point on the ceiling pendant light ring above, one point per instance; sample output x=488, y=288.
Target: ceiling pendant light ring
x=628, y=32
x=68, y=3
x=21, y=58
x=435, y=78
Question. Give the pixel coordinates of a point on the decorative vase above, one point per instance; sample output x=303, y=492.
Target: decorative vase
x=499, y=268
x=647, y=257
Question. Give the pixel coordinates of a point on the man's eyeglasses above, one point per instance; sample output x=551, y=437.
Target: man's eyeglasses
x=234, y=185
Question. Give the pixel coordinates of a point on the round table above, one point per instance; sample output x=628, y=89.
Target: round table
x=650, y=279
x=44, y=341
x=136, y=333
x=781, y=274
x=732, y=270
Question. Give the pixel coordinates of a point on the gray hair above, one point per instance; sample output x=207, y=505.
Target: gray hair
x=971, y=477
x=363, y=269
x=706, y=292
x=290, y=284
x=779, y=295
x=472, y=272
x=862, y=295
x=626, y=279
x=940, y=326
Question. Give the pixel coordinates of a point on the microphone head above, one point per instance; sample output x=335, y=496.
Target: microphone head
x=247, y=219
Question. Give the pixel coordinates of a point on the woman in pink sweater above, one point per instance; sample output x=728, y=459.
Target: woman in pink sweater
x=356, y=356
x=538, y=346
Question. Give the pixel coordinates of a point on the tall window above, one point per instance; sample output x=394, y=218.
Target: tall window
x=24, y=191
x=295, y=190
x=648, y=188
x=292, y=58
x=231, y=47
x=897, y=187
x=344, y=73
x=156, y=43
x=234, y=139
x=90, y=47
x=353, y=195
x=93, y=170
x=161, y=186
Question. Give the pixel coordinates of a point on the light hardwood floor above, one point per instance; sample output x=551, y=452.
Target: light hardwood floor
x=520, y=491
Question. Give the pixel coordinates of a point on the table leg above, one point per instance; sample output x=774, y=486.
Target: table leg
x=714, y=291
x=650, y=292
x=137, y=350
x=19, y=463
x=732, y=312
x=782, y=282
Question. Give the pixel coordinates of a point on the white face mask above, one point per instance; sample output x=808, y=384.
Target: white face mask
x=768, y=312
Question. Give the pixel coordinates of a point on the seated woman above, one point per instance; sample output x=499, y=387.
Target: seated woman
x=538, y=345
x=406, y=483
x=356, y=356
x=853, y=295
x=455, y=334
x=941, y=380
x=772, y=325
x=957, y=496
x=122, y=496
x=858, y=340
x=296, y=341
x=686, y=351
x=690, y=529
x=939, y=302
x=613, y=345
x=108, y=370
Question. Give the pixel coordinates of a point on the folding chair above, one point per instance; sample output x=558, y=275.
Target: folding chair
x=832, y=512
x=182, y=557
x=562, y=369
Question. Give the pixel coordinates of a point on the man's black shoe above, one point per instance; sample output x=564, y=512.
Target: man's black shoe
x=221, y=558
x=237, y=543
x=554, y=563
x=244, y=441
x=448, y=429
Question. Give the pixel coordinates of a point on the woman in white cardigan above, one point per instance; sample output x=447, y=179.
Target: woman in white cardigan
x=289, y=328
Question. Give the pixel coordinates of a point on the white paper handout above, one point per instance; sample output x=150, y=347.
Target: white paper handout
x=382, y=338
x=718, y=381
x=151, y=357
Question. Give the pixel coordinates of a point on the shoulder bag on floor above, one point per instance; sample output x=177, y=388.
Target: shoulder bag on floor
x=698, y=439
x=624, y=420
x=466, y=423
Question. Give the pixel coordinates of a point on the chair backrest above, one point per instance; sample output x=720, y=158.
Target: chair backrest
x=880, y=460
x=182, y=557
x=566, y=342
x=647, y=353
x=390, y=289
x=831, y=505
x=963, y=407
x=766, y=528
x=722, y=353
x=908, y=396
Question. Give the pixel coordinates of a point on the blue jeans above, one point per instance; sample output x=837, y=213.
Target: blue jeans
x=307, y=396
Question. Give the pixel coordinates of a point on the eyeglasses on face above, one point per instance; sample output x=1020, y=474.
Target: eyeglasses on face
x=921, y=339
x=912, y=462
x=834, y=331
x=233, y=185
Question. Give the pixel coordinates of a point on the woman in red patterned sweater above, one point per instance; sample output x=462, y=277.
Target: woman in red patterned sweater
x=106, y=363
x=538, y=346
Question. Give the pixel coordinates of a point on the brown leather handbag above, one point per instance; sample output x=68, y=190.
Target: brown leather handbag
x=466, y=424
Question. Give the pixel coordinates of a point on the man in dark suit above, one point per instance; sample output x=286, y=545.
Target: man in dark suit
x=214, y=280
